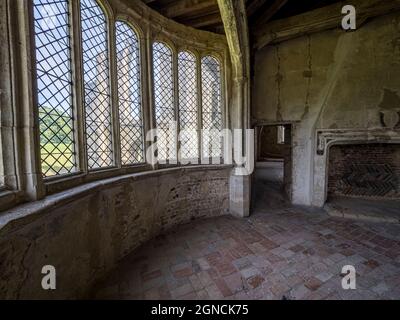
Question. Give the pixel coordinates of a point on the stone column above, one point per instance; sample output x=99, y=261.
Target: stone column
x=234, y=17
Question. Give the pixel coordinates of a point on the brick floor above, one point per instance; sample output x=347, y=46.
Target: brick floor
x=287, y=253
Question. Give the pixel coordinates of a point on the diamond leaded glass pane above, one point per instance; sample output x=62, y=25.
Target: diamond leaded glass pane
x=129, y=86
x=96, y=85
x=211, y=107
x=188, y=113
x=164, y=100
x=53, y=68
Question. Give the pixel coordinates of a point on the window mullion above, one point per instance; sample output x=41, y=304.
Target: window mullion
x=146, y=89
x=176, y=103
x=114, y=93
x=26, y=101
x=78, y=91
x=199, y=107
x=151, y=89
x=223, y=108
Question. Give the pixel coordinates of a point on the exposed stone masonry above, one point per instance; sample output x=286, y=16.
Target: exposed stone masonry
x=186, y=200
x=85, y=234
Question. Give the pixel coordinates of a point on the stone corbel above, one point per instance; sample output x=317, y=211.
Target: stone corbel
x=321, y=143
x=390, y=118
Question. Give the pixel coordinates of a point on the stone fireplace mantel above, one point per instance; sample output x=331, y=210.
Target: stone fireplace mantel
x=325, y=138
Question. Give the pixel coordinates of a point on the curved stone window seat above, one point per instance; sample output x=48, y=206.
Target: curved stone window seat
x=83, y=232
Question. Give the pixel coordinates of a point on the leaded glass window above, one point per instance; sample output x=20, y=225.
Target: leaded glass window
x=129, y=95
x=98, y=119
x=164, y=100
x=188, y=111
x=54, y=86
x=211, y=107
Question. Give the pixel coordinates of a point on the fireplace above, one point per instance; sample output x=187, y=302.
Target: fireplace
x=370, y=171
x=356, y=163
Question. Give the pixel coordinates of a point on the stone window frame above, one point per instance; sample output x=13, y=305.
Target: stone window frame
x=18, y=122
x=20, y=132
x=6, y=117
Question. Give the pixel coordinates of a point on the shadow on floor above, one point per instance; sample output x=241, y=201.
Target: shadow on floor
x=284, y=253
x=364, y=209
x=268, y=189
x=279, y=252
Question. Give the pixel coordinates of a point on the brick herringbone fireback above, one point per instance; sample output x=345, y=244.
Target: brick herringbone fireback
x=371, y=170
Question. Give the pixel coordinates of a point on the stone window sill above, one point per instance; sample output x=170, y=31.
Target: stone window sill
x=8, y=198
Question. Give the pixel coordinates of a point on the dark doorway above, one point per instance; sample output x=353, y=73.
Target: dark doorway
x=272, y=180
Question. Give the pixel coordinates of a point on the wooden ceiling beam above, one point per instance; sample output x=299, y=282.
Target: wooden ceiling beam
x=189, y=8
x=234, y=16
x=253, y=6
x=216, y=28
x=318, y=20
x=270, y=12
x=203, y=21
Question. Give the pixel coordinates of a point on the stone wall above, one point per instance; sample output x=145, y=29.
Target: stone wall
x=328, y=80
x=85, y=231
x=365, y=170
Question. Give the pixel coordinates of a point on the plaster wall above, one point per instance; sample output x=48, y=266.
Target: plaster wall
x=85, y=231
x=328, y=80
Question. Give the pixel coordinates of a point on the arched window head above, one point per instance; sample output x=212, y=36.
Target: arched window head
x=211, y=106
x=129, y=95
x=163, y=84
x=54, y=87
x=188, y=108
x=96, y=85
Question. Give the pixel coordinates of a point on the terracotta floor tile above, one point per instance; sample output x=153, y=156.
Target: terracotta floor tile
x=269, y=255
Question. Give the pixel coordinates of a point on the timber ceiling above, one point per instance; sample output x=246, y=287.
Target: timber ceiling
x=204, y=14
